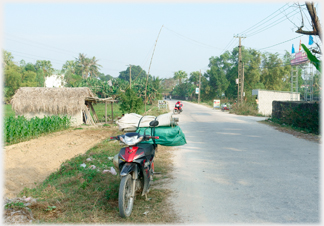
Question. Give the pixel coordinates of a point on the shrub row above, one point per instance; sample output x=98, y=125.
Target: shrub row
x=20, y=129
x=302, y=115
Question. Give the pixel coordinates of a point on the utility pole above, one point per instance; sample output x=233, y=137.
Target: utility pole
x=150, y=67
x=240, y=84
x=199, y=86
x=130, y=76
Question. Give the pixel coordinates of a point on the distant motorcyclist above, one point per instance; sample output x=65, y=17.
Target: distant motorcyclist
x=179, y=105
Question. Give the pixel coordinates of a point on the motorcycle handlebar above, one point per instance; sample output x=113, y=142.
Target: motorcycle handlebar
x=153, y=137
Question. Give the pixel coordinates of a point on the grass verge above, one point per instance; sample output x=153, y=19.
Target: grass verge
x=76, y=194
x=293, y=131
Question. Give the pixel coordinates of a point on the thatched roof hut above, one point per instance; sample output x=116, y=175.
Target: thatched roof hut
x=50, y=100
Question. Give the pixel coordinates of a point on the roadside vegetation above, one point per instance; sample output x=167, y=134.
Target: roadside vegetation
x=20, y=129
x=80, y=191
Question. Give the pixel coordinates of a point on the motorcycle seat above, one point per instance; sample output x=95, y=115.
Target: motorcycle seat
x=148, y=148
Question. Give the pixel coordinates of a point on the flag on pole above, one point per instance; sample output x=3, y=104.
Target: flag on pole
x=300, y=46
x=311, y=41
x=292, y=49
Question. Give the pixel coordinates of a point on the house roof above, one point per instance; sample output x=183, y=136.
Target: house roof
x=50, y=100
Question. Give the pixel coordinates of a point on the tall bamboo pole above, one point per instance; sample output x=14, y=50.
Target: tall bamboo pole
x=150, y=67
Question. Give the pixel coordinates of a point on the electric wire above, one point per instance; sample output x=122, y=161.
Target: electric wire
x=281, y=42
x=254, y=26
x=226, y=47
x=269, y=26
x=192, y=39
x=38, y=43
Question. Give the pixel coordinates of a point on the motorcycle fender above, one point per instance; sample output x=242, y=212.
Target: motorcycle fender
x=129, y=167
x=146, y=176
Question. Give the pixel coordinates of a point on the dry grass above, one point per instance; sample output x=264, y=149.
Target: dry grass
x=50, y=100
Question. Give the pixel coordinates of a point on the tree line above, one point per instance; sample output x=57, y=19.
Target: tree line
x=261, y=71
x=82, y=72
x=266, y=71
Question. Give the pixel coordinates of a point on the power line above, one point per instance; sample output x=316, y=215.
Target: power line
x=266, y=28
x=226, y=48
x=38, y=43
x=192, y=39
x=263, y=20
x=281, y=42
x=26, y=54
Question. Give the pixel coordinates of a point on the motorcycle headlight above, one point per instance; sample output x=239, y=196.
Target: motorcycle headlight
x=132, y=140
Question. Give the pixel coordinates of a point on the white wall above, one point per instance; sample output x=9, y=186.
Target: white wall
x=265, y=98
x=76, y=119
x=54, y=81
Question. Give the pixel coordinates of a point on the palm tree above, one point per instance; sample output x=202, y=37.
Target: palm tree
x=94, y=67
x=83, y=64
x=180, y=75
x=70, y=65
x=88, y=67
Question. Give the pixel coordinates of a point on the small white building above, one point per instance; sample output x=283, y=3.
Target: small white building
x=264, y=99
x=54, y=81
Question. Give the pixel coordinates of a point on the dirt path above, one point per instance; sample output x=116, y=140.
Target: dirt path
x=30, y=162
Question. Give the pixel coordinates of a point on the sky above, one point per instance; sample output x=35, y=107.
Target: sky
x=122, y=34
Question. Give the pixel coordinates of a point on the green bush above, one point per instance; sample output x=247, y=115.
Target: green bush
x=130, y=102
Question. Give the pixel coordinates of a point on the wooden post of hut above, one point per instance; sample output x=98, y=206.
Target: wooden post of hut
x=106, y=113
x=112, y=112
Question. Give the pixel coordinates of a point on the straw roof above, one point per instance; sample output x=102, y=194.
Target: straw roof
x=50, y=100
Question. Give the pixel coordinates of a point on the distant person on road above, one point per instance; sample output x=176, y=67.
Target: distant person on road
x=179, y=105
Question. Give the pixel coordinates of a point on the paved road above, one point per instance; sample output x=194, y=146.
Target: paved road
x=236, y=170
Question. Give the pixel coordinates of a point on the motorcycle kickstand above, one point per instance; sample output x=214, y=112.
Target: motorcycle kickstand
x=147, y=199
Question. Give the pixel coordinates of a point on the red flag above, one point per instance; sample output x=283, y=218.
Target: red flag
x=300, y=46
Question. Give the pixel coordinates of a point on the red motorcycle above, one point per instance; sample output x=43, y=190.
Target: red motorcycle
x=136, y=167
x=177, y=108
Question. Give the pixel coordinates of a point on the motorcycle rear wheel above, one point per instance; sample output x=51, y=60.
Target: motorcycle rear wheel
x=125, y=199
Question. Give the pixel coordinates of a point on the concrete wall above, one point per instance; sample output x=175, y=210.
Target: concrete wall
x=265, y=98
x=76, y=119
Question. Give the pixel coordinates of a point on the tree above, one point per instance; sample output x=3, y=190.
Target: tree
x=29, y=67
x=71, y=79
x=273, y=72
x=7, y=58
x=216, y=75
x=137, y=73
x=130, y=102
x=46, y=66
x=70, y=65
x=180, y=75
x=28, y=79
x=94, y=67
x=40, y=78
x=83, y=65
x=104, y=77
x=12, y=80
x=194, y=77
x=316, y=25
x=87, y=67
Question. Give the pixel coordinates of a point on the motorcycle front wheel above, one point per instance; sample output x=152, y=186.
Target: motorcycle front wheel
x=125, y=199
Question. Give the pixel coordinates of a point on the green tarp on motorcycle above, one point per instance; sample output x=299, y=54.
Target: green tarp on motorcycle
x=168, y=136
